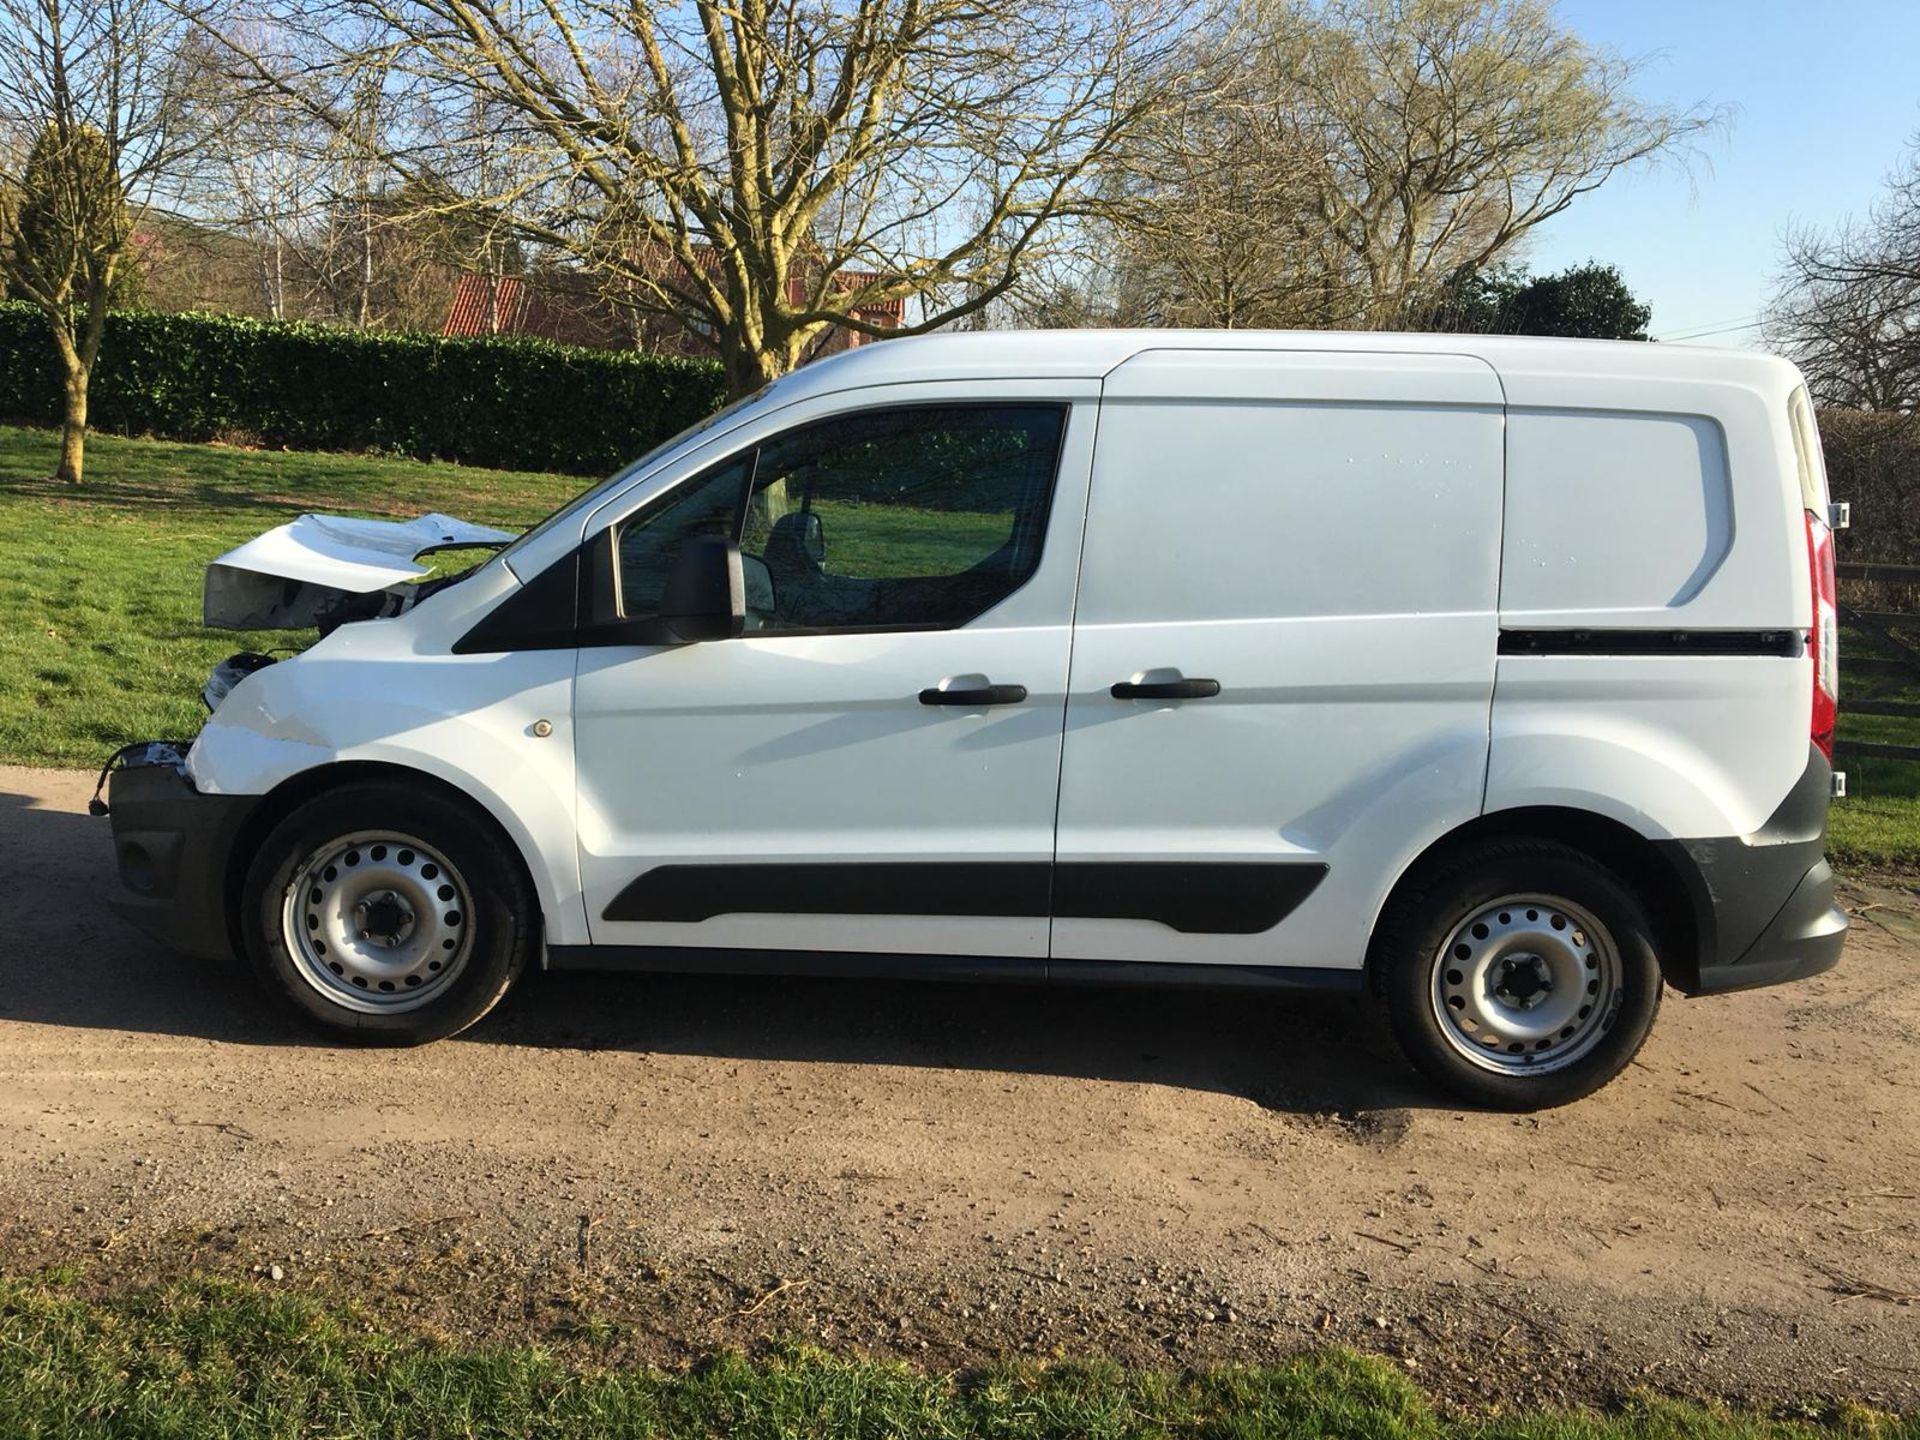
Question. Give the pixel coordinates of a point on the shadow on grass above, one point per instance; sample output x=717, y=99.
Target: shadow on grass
x=198, y=497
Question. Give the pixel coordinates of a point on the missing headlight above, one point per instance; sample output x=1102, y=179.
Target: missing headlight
x=229, y=673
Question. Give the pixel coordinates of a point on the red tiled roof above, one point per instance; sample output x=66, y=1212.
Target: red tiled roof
x=483, y=305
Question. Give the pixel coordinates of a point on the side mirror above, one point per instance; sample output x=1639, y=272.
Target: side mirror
x=705, y=597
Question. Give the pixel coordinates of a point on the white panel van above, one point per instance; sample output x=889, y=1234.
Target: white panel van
x=1492, y=676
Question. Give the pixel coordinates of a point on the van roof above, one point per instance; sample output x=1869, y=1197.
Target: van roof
x=987, y=354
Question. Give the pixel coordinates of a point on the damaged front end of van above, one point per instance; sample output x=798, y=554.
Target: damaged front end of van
x=320, y=571
x=315, y=573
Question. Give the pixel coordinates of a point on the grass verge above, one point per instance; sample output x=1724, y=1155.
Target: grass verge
x=208, y=1359
x=100, y=635
x=1879, y=822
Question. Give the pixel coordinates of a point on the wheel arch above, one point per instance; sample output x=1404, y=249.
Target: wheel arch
x=1660, y=888
x=297, y=789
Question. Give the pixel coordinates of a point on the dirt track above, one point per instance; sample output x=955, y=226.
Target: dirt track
x=656, y=1167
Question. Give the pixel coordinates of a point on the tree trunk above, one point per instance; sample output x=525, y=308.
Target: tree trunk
x=366, y=266
x=73, y=437
x=748, y=366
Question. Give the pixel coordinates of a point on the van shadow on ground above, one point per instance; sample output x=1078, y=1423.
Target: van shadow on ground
x=68, y=961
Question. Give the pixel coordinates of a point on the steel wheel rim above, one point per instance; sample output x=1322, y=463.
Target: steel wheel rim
x=1526, y=984
x=378, y=922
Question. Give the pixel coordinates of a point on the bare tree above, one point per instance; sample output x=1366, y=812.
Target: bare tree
x=1220, y=228
x=264, y=172
x=1848, y=306
x=309, y=192
x=1350, y=155
x=334, y=232
x=91, y=103
x=1856, y=337
x=764, y=170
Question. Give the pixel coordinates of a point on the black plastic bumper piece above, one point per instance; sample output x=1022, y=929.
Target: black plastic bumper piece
x=1763, y=904
x=172, y=845
x=1804, y=939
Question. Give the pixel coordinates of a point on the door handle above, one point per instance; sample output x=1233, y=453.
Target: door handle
x=1165, y=690
x=973, y=696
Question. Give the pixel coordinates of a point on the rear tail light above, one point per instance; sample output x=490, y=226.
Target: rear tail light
x=1823, y=640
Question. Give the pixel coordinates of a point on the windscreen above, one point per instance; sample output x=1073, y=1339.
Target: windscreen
x=587, y=499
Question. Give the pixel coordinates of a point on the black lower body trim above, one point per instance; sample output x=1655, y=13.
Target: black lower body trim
x=1804, y=939
x=853, y=965
x=687, y=894
x=1200, y=898
x=1192, y=897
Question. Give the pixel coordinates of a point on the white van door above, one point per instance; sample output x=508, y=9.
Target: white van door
x=1283, y=652
x=873, y=767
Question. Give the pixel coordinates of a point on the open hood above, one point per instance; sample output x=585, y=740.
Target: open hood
x=326, y=569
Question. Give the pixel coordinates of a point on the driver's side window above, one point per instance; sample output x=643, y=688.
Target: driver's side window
x=921, y=517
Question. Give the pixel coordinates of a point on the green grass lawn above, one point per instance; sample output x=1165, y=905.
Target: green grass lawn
x=878, y=542
x=235, y=1361
x=100, y=636
x=1879, y=821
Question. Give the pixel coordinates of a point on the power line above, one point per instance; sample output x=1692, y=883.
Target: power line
x=1753, y=323
x=1730, y=320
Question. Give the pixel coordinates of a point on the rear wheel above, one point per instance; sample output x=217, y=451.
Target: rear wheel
x=387, y=914
x=1518, y=974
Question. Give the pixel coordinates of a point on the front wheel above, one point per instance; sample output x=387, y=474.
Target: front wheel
x=387, y=914
x=1519, y=974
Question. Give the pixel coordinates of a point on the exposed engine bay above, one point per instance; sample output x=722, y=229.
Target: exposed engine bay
x=320, y=572
x=326, y=570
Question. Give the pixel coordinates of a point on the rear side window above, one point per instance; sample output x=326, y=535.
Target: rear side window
x=914, y=518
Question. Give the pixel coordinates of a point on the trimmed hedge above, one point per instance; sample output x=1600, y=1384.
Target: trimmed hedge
x=510, y=403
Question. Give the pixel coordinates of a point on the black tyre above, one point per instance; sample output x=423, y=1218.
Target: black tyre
x=1517, y=974
x=387, y=914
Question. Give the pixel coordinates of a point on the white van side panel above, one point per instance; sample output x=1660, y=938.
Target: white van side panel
x=1670, y=505
x=1673, y=747
x=1320, y=534
x=1652, y=503
x=1573, y=475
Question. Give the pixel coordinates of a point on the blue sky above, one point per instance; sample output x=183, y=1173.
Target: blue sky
x=1824, y=97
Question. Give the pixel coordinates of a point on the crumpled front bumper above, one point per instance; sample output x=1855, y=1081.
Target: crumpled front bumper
x=174, y=848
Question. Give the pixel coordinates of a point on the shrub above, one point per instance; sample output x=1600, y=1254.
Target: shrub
x=511, y=403
x=1873, y=462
